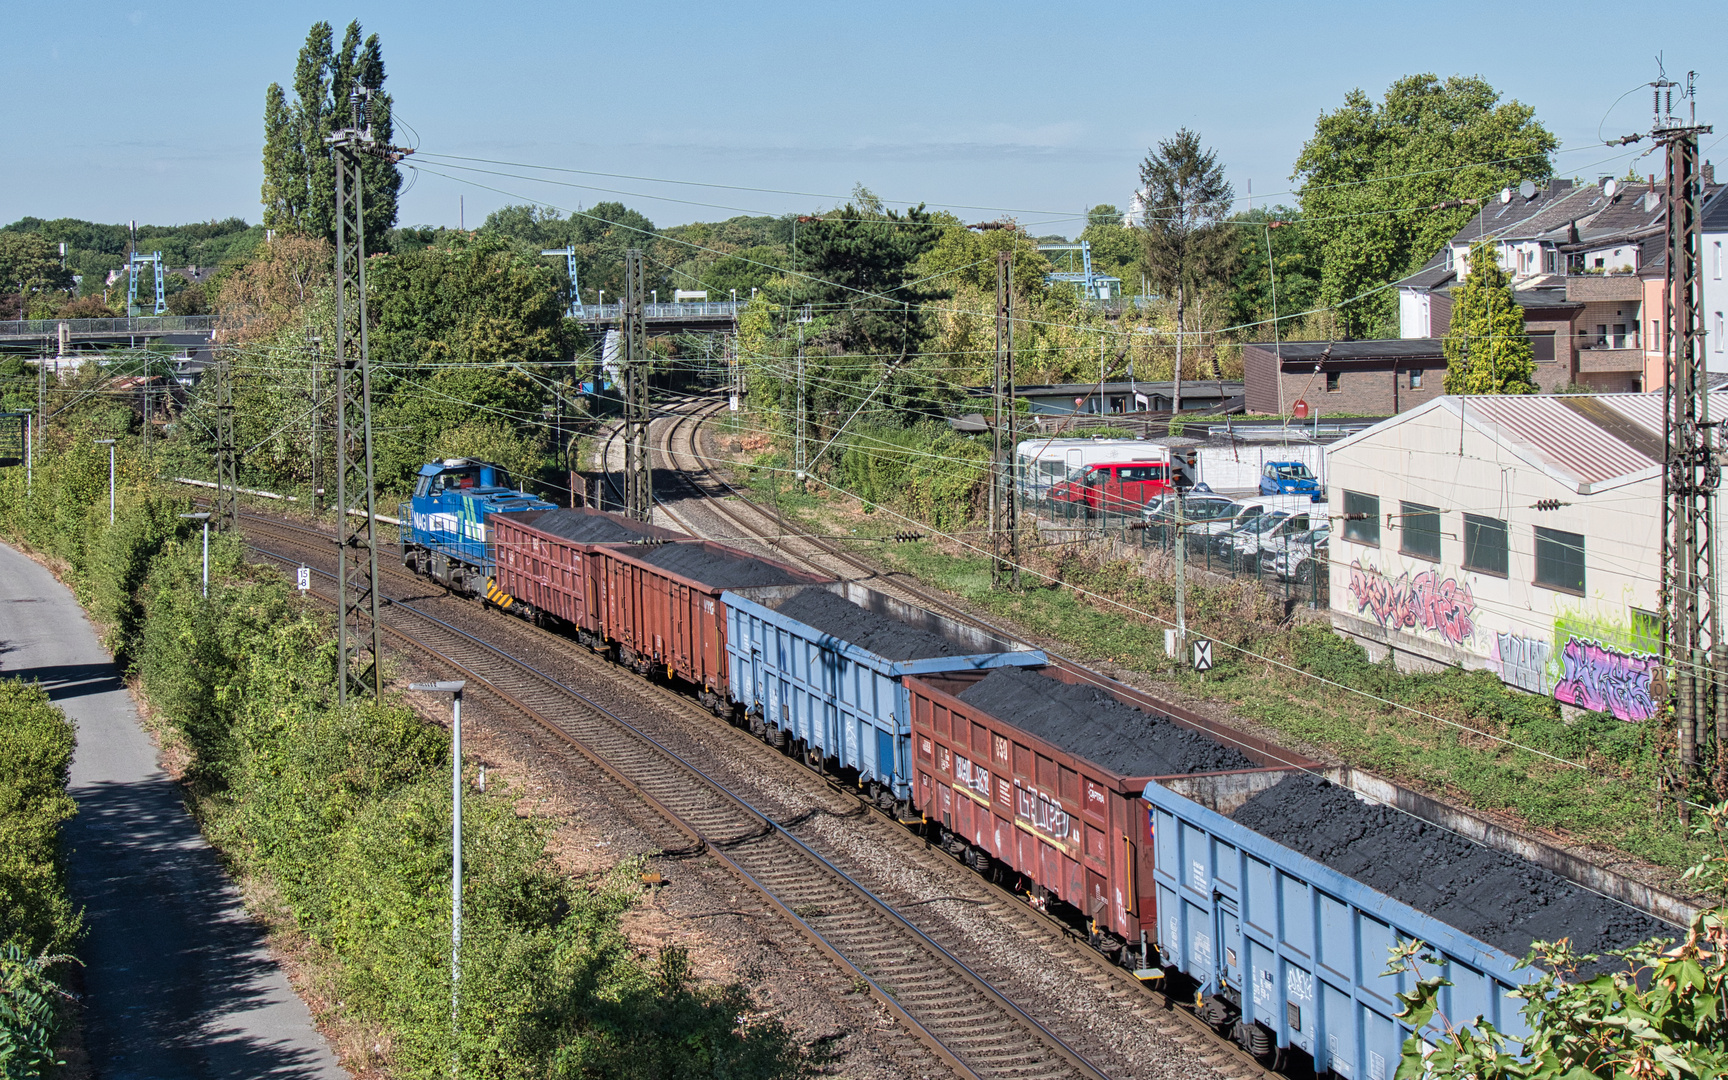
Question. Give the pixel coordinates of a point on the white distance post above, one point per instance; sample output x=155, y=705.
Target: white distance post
x=205, y=518
x=454, y=689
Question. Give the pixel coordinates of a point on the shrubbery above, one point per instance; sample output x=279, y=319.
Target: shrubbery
x=346, y=812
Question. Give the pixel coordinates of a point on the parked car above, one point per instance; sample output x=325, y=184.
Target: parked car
x=1290, y=478
x=1115, y=487
x=1202, y=513
x=1269, y=535
x=1304, y=556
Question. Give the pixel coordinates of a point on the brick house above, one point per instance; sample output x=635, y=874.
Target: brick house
x=1363, y=378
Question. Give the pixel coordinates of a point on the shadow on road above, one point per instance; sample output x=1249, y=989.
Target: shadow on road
x=71, y=680
x=177, y=978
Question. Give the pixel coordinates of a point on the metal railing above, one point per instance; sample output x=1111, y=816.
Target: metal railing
x=1300, y=575
x=142, y=324
x=720, y=309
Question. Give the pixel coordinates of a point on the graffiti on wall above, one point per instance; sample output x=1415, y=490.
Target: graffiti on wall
x=1523, y=661
x=1426, y=601
x=1604, y=679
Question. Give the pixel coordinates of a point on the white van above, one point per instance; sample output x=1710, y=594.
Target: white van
x=1042, y=463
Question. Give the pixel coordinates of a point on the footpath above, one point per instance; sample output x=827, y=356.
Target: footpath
x=178, y=981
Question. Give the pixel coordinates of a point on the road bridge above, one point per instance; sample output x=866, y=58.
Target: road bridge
x=666, y=318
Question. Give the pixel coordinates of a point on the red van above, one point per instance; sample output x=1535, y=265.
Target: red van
x=1116, y=487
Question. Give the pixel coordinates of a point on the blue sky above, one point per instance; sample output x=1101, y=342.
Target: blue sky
x=152, y=111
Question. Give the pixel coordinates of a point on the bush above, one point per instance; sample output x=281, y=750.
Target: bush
x=35, y=754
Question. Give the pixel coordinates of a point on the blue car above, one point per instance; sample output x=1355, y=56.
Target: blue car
x=1290, y=478
x=446, y=533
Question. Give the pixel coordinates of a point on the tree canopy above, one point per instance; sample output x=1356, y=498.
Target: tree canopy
x=1374, y=171
x=299, y=191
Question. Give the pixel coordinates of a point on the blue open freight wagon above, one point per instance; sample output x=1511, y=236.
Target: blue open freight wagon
x=1303, y=945
x=838, y=697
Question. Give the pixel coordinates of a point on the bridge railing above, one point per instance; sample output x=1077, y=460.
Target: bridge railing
x=723, y=309
x=142, y=324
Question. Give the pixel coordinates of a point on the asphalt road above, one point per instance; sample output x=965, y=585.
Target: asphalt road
x=178, y=982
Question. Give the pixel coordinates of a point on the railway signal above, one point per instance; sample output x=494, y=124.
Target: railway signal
x=1202, y=655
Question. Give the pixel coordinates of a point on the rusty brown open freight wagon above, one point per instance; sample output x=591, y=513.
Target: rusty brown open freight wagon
x=541, y=559
x=1075, y=830
x=660, y=605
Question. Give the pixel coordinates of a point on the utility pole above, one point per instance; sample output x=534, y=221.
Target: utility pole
x=638, y=469
x=356, y=510
x=226, y=511
x=1691, y=640
x=998, y=490
x=799, y=453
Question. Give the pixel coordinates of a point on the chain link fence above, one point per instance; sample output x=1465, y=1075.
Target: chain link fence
x=1287, y=566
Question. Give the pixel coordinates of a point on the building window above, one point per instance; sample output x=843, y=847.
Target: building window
x=1362, y=518
x=1718, y=260
x=1655, y=334
x=1559, y=560
x=1485, y=545
x=1415, y=380
x=1601, y=335
x=1619, y=335
x=1718, y=331
x=1420, y=529
x=1332, y=382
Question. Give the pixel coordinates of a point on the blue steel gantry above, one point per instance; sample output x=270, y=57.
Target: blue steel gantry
x=569, y=254
x=132, y=267
x=1092, y=286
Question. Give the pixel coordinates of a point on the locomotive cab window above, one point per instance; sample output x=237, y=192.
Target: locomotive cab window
x=459, y=479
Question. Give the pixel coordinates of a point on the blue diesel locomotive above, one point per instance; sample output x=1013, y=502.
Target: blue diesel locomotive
x=446, y=527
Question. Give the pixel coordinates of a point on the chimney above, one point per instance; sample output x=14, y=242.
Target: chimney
x=1709, y=174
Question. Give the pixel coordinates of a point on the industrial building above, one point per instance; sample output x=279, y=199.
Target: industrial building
x=1517, y=534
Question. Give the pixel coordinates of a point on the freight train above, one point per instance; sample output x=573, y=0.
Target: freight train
x=1187, y=850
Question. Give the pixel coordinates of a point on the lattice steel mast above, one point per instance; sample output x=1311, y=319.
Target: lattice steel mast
x=1692, y=473
x=638, y=469
x=225, y=513
x=359, y=635
x=1005, y=489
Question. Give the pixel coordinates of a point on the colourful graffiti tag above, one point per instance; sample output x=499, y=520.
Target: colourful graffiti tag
x=1443, y=607
x=1523, y=661
x=1602, y=679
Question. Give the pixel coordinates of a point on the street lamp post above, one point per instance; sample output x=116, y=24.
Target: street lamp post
x=205, y=518
x=109, y=443
x=454, y=689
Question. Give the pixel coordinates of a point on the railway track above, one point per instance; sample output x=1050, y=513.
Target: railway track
x=676, y=439
x=956, y=1013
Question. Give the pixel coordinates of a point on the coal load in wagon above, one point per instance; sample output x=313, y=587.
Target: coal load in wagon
x=718, y=569
x=1090, y=724
x=588, y=528
x=875, y=632
x=1498, y=898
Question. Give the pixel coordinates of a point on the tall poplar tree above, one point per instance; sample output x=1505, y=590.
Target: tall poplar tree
x=299, y=191
x=1487, y=351
x=1187, y=244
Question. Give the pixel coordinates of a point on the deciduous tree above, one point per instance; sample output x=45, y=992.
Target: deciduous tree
x=1374, y=172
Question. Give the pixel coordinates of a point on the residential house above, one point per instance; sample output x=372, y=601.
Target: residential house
x=1715, y=229
x=1587, y=264
x=1520, y=534
x=1354, y=378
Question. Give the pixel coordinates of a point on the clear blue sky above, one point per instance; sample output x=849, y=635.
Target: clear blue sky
x=152, y=111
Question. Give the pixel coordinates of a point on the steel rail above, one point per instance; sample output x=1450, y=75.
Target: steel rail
x=758, y=824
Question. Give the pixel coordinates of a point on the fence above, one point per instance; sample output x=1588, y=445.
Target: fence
x=143, y=324
x=1281, y=566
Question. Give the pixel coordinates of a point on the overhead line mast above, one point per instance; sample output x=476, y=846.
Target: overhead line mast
x=1691, y=640
x=638, y=469
x=359, y=634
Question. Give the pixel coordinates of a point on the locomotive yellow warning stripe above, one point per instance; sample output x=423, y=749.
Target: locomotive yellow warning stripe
x=496, y=595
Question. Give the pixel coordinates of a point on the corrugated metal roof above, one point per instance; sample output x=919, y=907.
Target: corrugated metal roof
x=1595, y=438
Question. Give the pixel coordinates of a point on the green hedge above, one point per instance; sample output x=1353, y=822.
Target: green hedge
x=346, y=812
x=35, y=754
